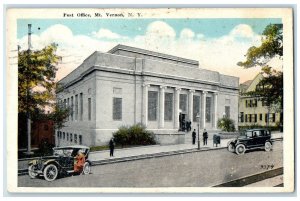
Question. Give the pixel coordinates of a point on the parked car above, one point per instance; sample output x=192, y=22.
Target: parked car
x=251, y=139
x=62, y=162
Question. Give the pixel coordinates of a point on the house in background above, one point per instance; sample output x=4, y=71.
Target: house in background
x=253, y=111
x=42, y=131
x=129, y=85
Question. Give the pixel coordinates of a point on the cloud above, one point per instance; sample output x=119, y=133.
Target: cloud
x=160, y=29
x=107, y=34
x=187, y=34
x=242, y=30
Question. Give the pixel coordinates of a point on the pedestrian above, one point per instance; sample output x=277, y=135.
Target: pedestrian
x=205, y=136
x=190, y=125
x=79, y=162
x=194, y=136
x=111, y=147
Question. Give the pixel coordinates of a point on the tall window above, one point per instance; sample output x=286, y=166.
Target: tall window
x=196, y=107
x=69, y=107
x=81, y=106
x=260, y=117
x=71, y=137
x=76, y=107
x=183, y=102
x=89, y=108
x=117, y=108
x=208, y=109
x=241, y=117
x=72, y=108
x=227, y=111
x=80, y=139
x=152, y=105
x=168, y=106
x=75, y=138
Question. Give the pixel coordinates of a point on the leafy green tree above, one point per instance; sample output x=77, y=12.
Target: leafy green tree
x=270, y=88
x=36, y=78
x=36, y=89
x=226, y=124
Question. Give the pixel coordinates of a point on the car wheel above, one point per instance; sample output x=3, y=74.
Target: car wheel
x=31, y=172
x=230, y=147
x=240, y=149
x=268, y=146
x=50, y=172
x=86, y=168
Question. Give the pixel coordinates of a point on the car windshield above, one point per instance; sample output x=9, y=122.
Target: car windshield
x=63, y=152
x=246, y=134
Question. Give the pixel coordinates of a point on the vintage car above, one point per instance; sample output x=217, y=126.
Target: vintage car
x=251, y=139
x=62, y=162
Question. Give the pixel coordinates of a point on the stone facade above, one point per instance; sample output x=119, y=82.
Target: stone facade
x=130, y=85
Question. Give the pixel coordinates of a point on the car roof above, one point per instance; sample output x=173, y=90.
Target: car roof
x=72, y=147
x=256, y=129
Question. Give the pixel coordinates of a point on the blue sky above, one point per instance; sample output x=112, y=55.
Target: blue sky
x=218, y=44
x=209, y=27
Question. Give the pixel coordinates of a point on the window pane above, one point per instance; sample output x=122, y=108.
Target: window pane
x=183, y=102
x=196, y=107
x=89, y=108
x=81, y=106
x=72, y=108
x=76, y=107
x=227, y=111
x=117, y=108
x=152, y=105
x=168, y=106
x=208, y=109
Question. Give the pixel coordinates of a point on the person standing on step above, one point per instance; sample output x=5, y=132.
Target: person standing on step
x=194, y=136
x=111, y=147
x=205, y=136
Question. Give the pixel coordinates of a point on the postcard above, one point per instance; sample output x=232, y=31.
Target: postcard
x=154, y=100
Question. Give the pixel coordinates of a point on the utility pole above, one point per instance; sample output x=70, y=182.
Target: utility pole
x=27, y=94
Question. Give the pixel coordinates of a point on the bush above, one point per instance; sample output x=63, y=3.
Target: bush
x=226, y=124
x=134, y=135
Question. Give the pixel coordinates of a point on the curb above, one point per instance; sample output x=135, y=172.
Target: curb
x=252, y=178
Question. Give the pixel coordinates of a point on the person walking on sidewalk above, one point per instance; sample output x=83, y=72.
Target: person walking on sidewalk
x=205, y=136
x=194, y=136
x=111, y=147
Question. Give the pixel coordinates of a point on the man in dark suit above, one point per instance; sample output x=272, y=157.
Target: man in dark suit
x=194, y=136
x=205, y=136
x=111, y=147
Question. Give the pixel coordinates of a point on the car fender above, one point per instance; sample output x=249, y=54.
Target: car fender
x=51, y=161
x=230, y=142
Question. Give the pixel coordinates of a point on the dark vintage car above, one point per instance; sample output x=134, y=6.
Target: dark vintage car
x=61, y=163
x=251, y=139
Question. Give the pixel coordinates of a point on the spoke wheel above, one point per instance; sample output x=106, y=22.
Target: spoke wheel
x=86, y=168
x=240, y=149
x=31, y=172
x=268, y=146
x=50, y=172
x=230, y=147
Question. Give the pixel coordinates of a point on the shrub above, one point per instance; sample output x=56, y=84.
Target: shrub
x=226, y=124
x=134, y=135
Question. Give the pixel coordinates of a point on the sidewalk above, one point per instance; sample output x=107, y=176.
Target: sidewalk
x=129, y=152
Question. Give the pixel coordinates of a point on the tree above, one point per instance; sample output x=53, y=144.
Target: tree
x=226, y=124
x=36, y=78
x=270, y=88
x=36, y=88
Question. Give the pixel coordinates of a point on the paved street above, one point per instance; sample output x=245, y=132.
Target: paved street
x=196, y=169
